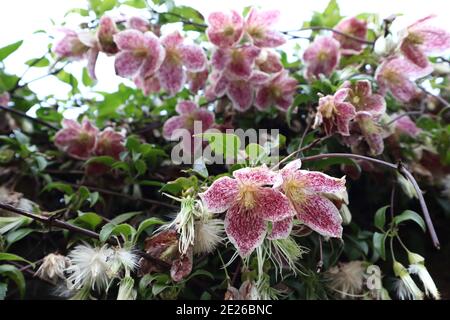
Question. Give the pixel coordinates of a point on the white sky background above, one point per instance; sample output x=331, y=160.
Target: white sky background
x=20, y=18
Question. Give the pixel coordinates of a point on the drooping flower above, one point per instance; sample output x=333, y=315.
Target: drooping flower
x=422, y=39
x=121, y=259
x=105, y=34
x=321, y=57
x=138, y=23
x=417, y=266
x=109, y=143
x=334, y=113
x=197, y=80
x=225, y=30
x=397, y=75
x=52, y=267
x=179, y=58
x=354, y=27
x=77, y=140
x=70, y=46
x=89, y=267
x=249, y=206
x=141, y=54
x=312, y=194
x=188, y=113
x=258, y=28
x=247, y=291
x=126, y=289
x=236, y=62
x=405, y=125
x=408, y=289
x=269, y=61
x=347, y=279
x=279, y=91
x=369, y=108
x=4, y=99
x=148, y=85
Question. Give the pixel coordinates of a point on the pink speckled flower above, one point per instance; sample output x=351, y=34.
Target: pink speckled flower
x=197, y=80
x=225, y=30
x=258, y=28
x=279, y=92
x=4, y=99
x=405, y=125
x=269, y=62
x=189, y=112
x=179, y=57
x=310, y=194
x=138, y=23
x=105, y=34
x=77, y=140
x=321, y=57
x=334, y=113
x=423, y=39
x=70, y=46
x=397, y=75
x=148, y=85
x=237, y=62
x=369, y=108
x=353, y=27
x=250, y=204
x=239, y=91
x=141, y=54
x=109, y=143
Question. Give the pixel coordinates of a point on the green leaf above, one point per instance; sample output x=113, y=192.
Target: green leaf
x=141, y=166
x=225, y=144
x=17, y=235
x=380, y=218
x=125, y=217
x=110, y=230
x=88, y=220
x=60, y=186
x=409, y=215
x=379, y=240
x=13, y=257
x=3, y=290
x=9, y=49
x=86, y=78
x=15, y=275
x=106, y=160
x=38, y=62
x=144, y=225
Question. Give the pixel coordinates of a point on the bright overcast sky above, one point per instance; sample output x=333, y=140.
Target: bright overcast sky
x=20, y=18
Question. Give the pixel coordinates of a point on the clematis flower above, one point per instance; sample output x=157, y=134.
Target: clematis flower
x=353, y=27
x=417, y=266
x=249, y=206
x=225, y=30
x=369, y=108
x=279, y=91
x=188, y=113
x=397, y=75
x=148, y=85
x=405, y=125
x=422, y=39
x=105, y=35
x=70, y=46
x=408, y=288
x=77, y=140
x=4, y=99
x=236, y=62
x=109, y=143
x=179, y=56
x=269, y=62
x=141, y=54
x=138, y=23
x=197, y=80
x=258, y=25
x=311, y=194
x=321, y=57
x=239, y=91
x=52, y=267
x=334, y=113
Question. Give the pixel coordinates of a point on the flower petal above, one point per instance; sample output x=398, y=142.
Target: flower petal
x=241, y=94
x=172, y=76
x=127, y=63
x=220, y=195
x=245, y=230
x=172, y=124
x=205, y=116
x=346, y=112
x=270, y=39
x=321, y=215
x=281, y=229
x=186, y=107
x=258, y=176
x=194, y=58
x=129, y=39
x=318, y=182
x=272, y=205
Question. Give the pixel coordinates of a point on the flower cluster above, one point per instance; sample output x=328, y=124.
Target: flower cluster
x=82, y=141
x=353, y=112
x=260, y=202
x=409, y=60
x=243, y=65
